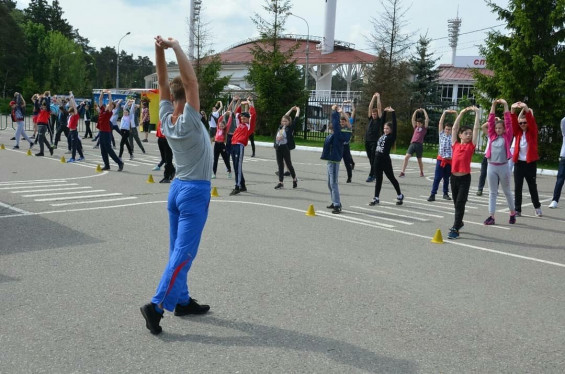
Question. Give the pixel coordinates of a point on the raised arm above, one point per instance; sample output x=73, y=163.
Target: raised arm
x=72, y=102
x=477, y=126
x=426, y=118
x=162, y=74
x=413, y=120
x=376, y=97
x=456, y=124
x=220, y=107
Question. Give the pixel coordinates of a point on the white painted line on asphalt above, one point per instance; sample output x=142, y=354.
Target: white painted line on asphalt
x=407, y=210
x=377, y=209
x=437, y=204
x=20, y=211
x=41, y=186
x=95, y=201
x=62, y=193
x=79, y=197
x=349, y=218
x=58, y=189
x=21, y=183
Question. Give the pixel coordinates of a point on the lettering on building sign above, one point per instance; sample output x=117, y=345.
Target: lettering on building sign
x=478, y=62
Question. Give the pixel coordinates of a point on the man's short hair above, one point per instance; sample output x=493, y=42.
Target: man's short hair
x=374, y=110
x=177, y=89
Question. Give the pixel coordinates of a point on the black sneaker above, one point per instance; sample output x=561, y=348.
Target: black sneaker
x=294, y=184
x=243, y=188
x=51, y=150
x=399, y=199
x=348, y=180
x=374, y=202
x=331, y=206
x=31, y=144
x=336, y=210
x=432, y=198
x=16, y=147
x=39, y=154
x=165, y=180
x=287, y=173
x=279, y=186
x=446, y=197
x=152, y=318
x=235, y=191
x=106, y=168
x=191, y=308
x=121, y=167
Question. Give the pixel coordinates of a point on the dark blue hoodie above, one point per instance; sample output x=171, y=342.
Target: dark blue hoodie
x=333, y=145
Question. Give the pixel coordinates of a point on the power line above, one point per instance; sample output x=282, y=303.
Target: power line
x=470, y=32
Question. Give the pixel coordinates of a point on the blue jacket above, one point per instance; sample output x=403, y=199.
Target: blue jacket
x=333, y=145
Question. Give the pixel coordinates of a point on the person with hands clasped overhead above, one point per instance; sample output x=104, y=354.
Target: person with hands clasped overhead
x=105, y=131
x=500, y=134
x=189, y=194
x=284, y=143
x=245, y=127
x=417, y=142
x=372, y=134
x=383, y=163
x=333, y=153
x=443, y=163
x=525, y=156
x=463, y=140
x=72, y=124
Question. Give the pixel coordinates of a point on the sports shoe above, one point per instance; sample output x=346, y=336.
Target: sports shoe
x=156, y=168
x=152, y=318
x=165, y=180
x=70, y=160
x=399, y=199
x=480, y=193
x=50, y=151
x=80, y=158
x=106, y=168
x=235, y=191
x=432, y=198
x=489, y=220
x=39, y=154
x=131, y=156
x=453, y=233
x=401, y=175
x=446, y=197
x=213, y=175
x=16, y=147
x=243, y=189
x=279, y=186
x=191, y=308
x=538, y=212
x=294, y=184
x=370, y=179
x=331, y=206
x=374, y=202
x=31, y=144
x=145, y=140
x=512, y=219
x=287, y=173
x=121, y=167
x=336, y=210
x=552, y=205
x=348, y=180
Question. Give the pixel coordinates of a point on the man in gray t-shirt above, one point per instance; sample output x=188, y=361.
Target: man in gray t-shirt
x=189, y=195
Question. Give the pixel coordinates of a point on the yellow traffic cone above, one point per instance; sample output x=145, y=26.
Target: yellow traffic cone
x=29, y=152
x=150, y=179
x=63, y=161
x=2, y=146
x=98, y=169
x=437, y=237
x=310, y=212
x=214, y=192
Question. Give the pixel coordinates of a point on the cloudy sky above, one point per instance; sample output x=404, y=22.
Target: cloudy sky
x=105, y=22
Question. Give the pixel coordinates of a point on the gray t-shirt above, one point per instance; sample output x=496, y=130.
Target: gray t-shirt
x=498, y=150
x=189, y=140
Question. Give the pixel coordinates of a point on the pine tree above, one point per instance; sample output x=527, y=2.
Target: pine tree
x=424, y=88
x=278, y=82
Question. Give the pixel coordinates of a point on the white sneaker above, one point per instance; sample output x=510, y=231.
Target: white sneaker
x=553, y=205
x=538, y=212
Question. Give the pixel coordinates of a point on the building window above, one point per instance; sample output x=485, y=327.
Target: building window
x=465, y=90
x=446, y=92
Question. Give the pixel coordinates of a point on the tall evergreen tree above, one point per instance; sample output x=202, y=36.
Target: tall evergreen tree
x=529, y=60
x=12, y=51
x=277, y=81
x=424, y=88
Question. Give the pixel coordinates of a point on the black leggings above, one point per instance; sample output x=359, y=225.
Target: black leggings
x=220, y=149
x=125, y=140
x=348, y=160
x=460, y=191
x=525, y=170
x=383, y=164
x=283, y=157
x=167, y=156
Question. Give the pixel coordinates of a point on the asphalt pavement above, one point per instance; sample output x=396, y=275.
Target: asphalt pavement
x=366, y=291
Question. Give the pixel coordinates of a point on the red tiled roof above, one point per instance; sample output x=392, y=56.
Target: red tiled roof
x=451, y=73
x=241, y=54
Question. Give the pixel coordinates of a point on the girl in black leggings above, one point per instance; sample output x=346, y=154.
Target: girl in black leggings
x=284, y=143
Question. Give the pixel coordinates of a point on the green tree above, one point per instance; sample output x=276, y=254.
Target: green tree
x=528, y=61
x=424, y=88
x=278, y=82
x=12, y=51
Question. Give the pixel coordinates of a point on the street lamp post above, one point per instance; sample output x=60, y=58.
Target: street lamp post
x=305, y=71
x=118, y=62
